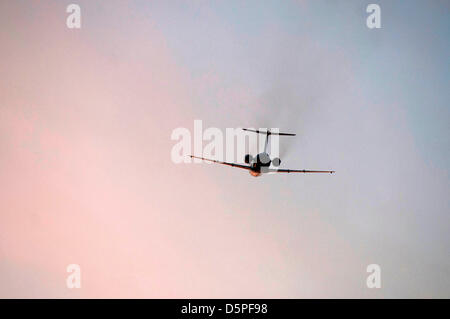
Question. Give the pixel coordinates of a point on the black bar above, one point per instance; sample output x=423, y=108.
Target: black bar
x=223, y=308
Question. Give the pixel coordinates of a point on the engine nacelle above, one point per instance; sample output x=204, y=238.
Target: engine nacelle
x=276, y=161
x=248, y=159
x=263, y=159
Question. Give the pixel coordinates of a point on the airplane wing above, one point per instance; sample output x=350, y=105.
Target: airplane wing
x=224, y=163
x=272, y=170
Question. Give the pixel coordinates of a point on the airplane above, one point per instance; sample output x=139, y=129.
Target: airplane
x=260, y=164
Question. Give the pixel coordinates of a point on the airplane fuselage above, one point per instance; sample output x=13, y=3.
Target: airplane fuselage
x=254, y=173
x=260, y=163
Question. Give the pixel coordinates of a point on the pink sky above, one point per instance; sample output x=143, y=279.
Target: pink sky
x=86, y=177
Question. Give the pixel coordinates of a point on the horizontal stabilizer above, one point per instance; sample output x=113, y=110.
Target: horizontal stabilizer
x=268, y=132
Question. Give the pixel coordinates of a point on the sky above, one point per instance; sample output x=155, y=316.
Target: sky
x=86, y=175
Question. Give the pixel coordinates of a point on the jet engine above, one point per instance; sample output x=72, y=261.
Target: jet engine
x=276, y=161
x=248, y=159
x=263, y=159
